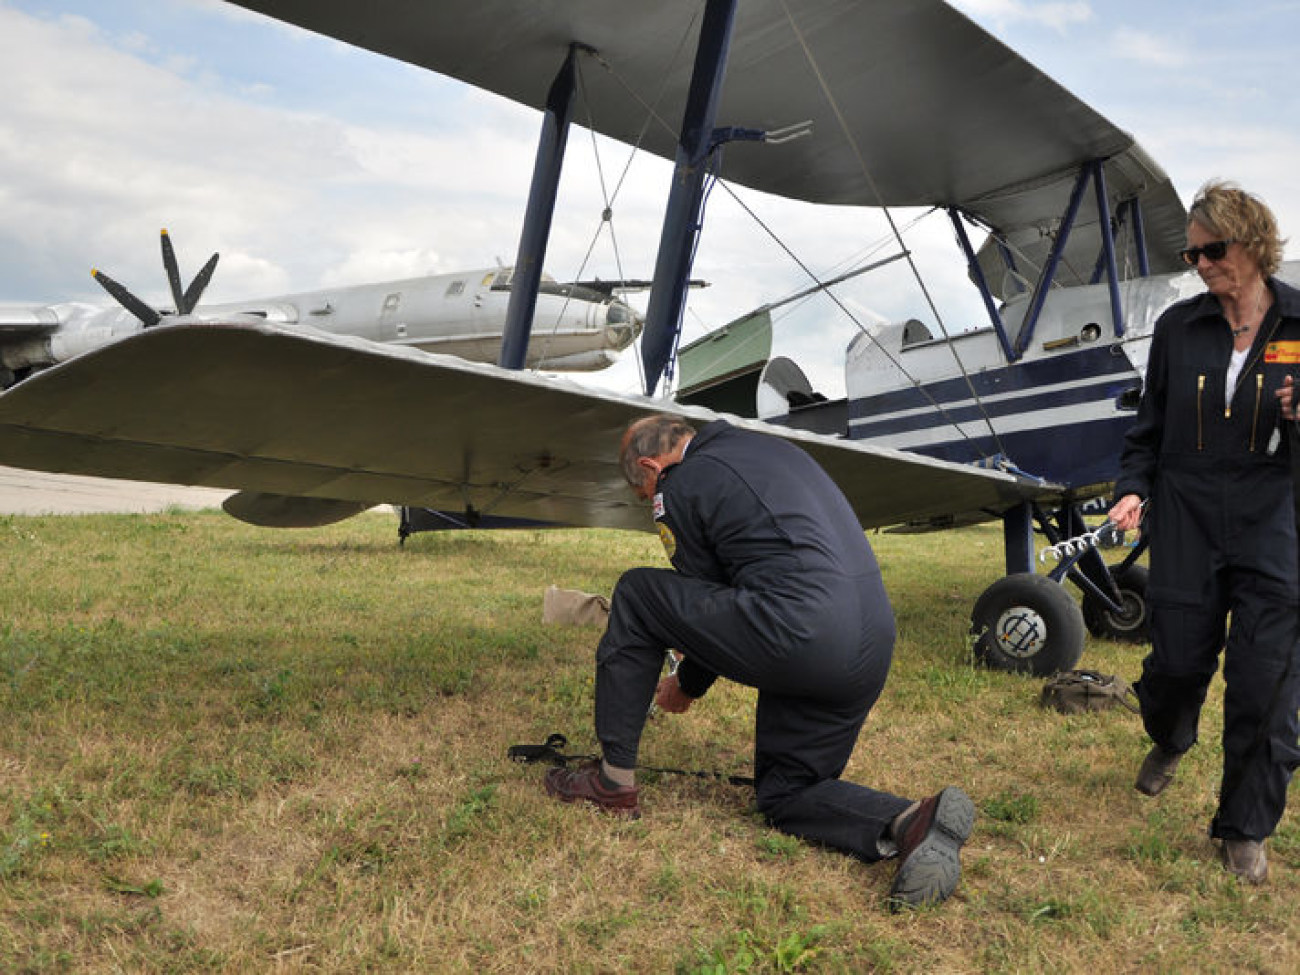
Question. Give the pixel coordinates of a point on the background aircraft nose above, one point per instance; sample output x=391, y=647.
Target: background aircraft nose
x=622, y=324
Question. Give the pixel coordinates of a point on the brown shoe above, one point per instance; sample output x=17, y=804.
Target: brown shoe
x=929, y=849
x=1157, y=771
x=1246, y=859
x=583, y=784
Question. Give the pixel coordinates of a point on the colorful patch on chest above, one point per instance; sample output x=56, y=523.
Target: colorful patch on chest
x=1284, y=353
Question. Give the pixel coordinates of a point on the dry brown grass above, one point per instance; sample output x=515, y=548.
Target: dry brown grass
x=228, y=749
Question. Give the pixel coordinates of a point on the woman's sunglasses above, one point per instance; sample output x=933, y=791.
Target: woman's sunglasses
x=1214, y=250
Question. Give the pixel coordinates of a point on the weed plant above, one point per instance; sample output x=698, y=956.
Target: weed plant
x=231, y=749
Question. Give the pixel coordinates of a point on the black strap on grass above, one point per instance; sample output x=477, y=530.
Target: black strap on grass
x=551, y=752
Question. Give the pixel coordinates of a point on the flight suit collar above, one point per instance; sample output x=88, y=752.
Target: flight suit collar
x=701, y=437
x=1286, y=298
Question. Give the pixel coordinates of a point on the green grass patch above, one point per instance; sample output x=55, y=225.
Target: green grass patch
x=231, y=749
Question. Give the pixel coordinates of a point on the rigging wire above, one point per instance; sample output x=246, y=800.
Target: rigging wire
x=651, y=116
x=893, y=360
x=821, y=285
x=866, y=173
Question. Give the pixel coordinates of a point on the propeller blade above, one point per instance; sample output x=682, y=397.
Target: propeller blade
x=148, y=317
x=173, y=273
x=198, y=285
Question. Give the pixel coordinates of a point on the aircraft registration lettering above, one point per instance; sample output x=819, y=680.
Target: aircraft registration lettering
x=1282, y=352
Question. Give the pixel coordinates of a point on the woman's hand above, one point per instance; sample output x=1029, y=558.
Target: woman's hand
x=1127, y=513
x=1286, y=398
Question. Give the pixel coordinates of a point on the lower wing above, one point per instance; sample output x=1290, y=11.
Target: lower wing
x=289, y=413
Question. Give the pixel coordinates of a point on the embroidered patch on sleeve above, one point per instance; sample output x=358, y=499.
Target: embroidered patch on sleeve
x=658, y=505
x=666, y=536
x=1282, y=352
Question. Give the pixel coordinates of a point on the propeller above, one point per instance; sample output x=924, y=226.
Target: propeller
x=186, y=300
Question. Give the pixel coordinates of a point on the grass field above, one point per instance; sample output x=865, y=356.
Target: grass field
x=230, y=749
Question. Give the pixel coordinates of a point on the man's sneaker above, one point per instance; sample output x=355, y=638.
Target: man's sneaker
x=1157, y=771
x=1246, y=859
x=929, y=849
x=583, y=784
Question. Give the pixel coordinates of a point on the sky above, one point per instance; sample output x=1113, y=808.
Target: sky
x=310, y=164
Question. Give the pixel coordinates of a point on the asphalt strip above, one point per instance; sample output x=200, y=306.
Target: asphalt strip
x=34, y=493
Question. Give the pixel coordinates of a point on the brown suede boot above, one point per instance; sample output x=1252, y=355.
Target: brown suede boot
x=584, y=784
x=1157, y=771
x=1246, y=859
x=929, y=849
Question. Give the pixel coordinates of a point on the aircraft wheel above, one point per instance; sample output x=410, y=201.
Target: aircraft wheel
x=1133, y=624
x=1027, y=624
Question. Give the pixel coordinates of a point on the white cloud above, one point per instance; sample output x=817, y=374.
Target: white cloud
x=1149, y=48
x=1059, y=16
x=304, y=176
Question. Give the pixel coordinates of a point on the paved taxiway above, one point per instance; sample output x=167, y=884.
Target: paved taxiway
x=32, y=493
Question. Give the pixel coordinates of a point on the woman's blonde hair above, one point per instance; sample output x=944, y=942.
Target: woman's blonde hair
x=1225, y=209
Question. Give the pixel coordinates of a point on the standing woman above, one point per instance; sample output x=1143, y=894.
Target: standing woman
x=1210, y=454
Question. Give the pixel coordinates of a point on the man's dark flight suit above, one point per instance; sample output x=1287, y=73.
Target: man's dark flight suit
x=775, y=587
x=1223, y=540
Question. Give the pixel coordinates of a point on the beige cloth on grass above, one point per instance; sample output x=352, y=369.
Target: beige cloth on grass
x=572, y=607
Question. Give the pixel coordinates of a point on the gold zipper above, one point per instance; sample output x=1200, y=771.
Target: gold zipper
x=1254, y=423
x=1200, y=432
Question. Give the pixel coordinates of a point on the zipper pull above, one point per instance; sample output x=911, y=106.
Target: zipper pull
x=1200, y=393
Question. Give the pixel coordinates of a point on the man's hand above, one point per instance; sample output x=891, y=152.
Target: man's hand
x=1286, y=398
x=669, y=696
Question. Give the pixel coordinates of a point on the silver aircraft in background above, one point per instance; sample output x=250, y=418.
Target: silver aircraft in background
x=577, y=327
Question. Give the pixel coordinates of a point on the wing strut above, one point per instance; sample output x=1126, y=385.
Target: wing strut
x=977, y=272
x=1094, y=170
x=1140, y=237
x=537, y=217
x=1108, y=245
x=682, y=218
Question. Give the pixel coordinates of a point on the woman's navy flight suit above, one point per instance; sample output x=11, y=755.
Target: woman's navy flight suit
x=775, y=587
x=1223, y=541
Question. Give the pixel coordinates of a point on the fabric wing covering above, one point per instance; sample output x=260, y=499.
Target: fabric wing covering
x=911, y=104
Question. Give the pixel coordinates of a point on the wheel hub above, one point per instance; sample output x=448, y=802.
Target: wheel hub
x=1020, y=632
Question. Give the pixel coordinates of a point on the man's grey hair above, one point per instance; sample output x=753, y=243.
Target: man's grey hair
x=650, y=437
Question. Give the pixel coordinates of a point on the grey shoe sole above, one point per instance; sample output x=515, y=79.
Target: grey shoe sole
x=930, y=874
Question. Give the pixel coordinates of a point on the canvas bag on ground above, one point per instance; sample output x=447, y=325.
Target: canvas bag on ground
x=1076, y=691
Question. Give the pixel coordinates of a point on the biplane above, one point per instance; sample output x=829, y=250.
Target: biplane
x=873, y=103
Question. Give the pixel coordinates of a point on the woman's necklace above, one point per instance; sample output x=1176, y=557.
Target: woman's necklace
x=1258, y=316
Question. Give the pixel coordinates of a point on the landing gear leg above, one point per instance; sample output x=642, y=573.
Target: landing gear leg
x=1026, y=623
x=1114, y=596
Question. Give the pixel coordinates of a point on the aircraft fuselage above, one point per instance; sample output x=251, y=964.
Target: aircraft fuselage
x=575, y=328
x=1059, y=413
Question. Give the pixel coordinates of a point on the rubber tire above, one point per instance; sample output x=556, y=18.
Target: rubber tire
x=1133, y=627
x=1044, y=620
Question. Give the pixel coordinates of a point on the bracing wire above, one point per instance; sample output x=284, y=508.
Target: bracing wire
x=866, y=173
x=893, y=360
x=651, y=116
x=824, y=286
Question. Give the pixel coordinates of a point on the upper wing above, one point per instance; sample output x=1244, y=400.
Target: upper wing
x=911, y=102
x=266, y=408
